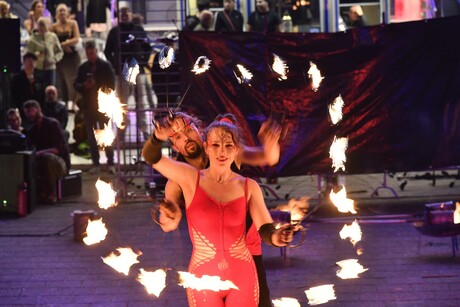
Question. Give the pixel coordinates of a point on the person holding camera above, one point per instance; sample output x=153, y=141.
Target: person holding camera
x=93, y=75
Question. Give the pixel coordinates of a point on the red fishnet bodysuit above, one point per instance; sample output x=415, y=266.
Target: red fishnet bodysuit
x=217, y=231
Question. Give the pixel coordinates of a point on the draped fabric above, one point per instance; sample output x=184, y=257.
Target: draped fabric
x=400, y=84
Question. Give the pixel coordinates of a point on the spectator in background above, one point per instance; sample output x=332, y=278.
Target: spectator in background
x=5, y=11
x=206, y=21
x=96, y=18
x=356, y=17
x=36, y=12
x=263, y=19
x=68, y=34
x=13, y=120
x=46, y=46
x=56, y=109
x=52, y=152
x=27, y=85
x=192, y=21
x=93, y=75
x=52, y=7
x=230, y=19
x=134, y=44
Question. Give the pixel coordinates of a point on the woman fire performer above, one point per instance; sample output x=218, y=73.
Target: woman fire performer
x=216, y=202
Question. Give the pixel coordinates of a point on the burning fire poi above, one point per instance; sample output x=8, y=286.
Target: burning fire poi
x=280, y=67
x=337, y=153
x=286, y=302
x=350, y=268
x=242, y=74
x=154, y=282
x=341, y=201
x=457, y=213
x=321, y=294
x=202, y=64
x=123, y=262
x=166, y=57
x=353, y=232
x=315, y=75
x=107, y=196
x=105, y=137
x=112, y=107
x=335, y=110
x=206, y=282
x=95, y=232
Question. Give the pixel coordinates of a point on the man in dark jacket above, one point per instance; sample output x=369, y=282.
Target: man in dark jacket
x=56, y=108
x=93, y=75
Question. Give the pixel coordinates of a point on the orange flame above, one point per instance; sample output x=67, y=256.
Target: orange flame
x=123, y=262
x=353, y=232
x=107, y=196
x=335, y=110
x=320, y=295
x=95, y=232
x=337, y=153
x=112, y=107
x=206, y=282
x=341, y=201
x=105, y=137
x=350, y=268
x=154, y=282
x=457, y=213
x=285, y=302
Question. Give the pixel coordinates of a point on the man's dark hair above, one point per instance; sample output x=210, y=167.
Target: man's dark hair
x=29, y=55
x=31, y=104
x=91, y=44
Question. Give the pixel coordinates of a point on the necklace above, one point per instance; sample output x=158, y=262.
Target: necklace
x=222, y=180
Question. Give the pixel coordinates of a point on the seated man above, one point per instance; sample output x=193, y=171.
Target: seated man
x=53, y=160
x=56, y=109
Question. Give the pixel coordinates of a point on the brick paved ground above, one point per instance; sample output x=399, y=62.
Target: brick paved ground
x=41, y=264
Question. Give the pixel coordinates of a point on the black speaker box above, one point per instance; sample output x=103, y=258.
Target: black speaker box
x=16, y=170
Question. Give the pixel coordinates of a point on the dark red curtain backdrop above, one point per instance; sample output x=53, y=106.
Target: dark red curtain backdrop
x=400, y=84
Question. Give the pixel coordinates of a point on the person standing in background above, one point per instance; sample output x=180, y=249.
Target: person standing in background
x=356, y=17
x=52, y=7
x=36, y=11
x=68, y=34
x=96, y=18
x=93, y=75
x=230, y=19
x=55, y=108
x=27, y=85
x=264, y=19
x=5, y=11
x=47, y=48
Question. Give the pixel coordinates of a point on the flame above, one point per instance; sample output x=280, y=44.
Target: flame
x=112, y=107
x=206, y=282
x=335, y=110
x=350, y=268
x=123, y=262
x=353, y=232
x=132, y=74
x=315, y=75
x=285, y=302
x=320, y=295
x=457, y=213
x=105, y=137
x=106, y=194
x=154, y=282
x=95, y=232
x=243, y=75
x=337, y=153
x=202, y=64
x=297, y=207
x=166, y=57
x=341, y=201
x=280, y=67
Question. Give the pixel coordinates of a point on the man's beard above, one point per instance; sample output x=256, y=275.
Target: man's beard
x=195, y=153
